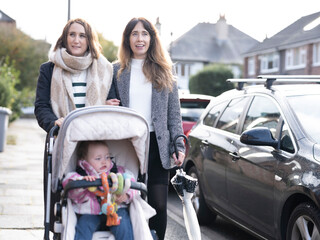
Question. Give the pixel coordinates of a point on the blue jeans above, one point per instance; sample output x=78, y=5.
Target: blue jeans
x=87, y=224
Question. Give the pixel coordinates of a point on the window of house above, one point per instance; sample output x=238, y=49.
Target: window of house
x=269, y=63
x=183, y=69
x=296, y=58
x=316, y=54
x=251, y=66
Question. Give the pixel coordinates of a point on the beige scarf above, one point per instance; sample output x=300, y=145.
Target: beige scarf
x=99, y=79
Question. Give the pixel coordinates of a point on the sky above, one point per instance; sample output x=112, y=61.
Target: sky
x=45, y=19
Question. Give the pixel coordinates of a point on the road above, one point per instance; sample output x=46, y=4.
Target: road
x=221, y=229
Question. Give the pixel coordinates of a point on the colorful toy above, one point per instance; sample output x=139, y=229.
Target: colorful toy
x=108, y=206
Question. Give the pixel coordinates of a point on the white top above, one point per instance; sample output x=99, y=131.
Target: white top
x=140, y=92
x=79, y=85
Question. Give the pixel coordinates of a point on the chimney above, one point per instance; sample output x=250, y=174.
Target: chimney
x=158, y=26
x=222, y=28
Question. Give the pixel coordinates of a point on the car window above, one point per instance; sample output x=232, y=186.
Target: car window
x=213, y=114
x=191, y=109
x=262, y=112
x=230, y=117
x=194, y=103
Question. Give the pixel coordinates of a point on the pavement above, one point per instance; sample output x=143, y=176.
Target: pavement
x=21, y=179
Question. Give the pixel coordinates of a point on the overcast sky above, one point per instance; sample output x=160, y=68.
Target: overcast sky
x=45, y=19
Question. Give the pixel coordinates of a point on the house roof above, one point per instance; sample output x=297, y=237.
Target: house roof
x=201, y=43
x=291, y=35
x=5, y=18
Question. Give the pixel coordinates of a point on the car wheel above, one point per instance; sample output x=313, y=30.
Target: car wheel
x=304, y=222
x=204, y=214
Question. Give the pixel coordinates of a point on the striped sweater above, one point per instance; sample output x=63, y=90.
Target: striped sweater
x=79, y=86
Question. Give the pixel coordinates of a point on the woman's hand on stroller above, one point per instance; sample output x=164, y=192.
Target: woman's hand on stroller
x=178, y=161
x=59, y=122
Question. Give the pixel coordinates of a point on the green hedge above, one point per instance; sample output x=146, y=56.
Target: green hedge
x=211, y=80
x=9, y=96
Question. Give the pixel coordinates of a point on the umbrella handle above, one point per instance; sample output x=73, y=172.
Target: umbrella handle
x=175, y=143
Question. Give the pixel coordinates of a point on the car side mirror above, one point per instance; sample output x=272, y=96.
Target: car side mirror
x=259, y=136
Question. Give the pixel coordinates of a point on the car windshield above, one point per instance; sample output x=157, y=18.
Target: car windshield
x=307, y=114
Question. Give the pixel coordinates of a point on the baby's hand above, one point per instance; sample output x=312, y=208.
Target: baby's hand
x=121, y=198
x=90, y=178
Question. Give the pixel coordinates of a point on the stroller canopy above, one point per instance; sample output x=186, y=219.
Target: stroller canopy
x=126, y=132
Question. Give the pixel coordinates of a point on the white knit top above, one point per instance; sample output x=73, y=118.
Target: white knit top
x=140, y=92
x=79, y=85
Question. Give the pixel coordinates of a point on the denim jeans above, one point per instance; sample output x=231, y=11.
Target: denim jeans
x=87, y=224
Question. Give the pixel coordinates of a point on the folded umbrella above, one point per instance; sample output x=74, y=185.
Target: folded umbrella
x=185, y=186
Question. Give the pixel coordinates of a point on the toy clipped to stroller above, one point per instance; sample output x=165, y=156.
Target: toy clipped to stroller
x=118, y=181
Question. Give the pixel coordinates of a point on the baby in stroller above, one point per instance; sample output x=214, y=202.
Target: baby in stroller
x=94, y=158
x=127, y=135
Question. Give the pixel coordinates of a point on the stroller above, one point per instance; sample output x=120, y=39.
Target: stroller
x=127, y=135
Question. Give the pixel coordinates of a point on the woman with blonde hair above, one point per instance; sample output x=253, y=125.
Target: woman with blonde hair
x=143, y=80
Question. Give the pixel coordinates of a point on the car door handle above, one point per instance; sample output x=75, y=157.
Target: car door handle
x=205, y=142
x=234, y=156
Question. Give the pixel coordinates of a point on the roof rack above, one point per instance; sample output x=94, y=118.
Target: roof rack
x=268, y=80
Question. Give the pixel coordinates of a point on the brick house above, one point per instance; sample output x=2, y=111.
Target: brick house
x=6, y=21
x=295, y=50
x=209, y=43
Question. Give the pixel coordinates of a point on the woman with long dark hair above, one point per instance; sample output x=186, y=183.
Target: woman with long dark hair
x=144, y=81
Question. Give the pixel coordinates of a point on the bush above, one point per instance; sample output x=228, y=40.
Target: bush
x=211, y=80
x=9, y=96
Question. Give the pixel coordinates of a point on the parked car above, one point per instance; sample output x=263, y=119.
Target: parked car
x=192, y=106
x=256, y=154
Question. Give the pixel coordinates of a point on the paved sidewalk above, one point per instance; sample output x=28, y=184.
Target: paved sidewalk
x=21, y=174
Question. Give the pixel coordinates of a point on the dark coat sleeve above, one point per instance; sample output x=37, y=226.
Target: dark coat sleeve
x=42, y=107
x=114, y=92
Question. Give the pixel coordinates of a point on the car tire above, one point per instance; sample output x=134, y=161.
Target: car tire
x=204, y=214
x=304, y=222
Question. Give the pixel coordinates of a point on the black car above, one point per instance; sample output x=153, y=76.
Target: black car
x=256, y=154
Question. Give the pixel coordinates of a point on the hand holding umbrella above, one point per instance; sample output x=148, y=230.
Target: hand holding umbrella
x=185, y=186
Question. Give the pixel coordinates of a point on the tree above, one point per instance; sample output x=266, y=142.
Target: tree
x=211, y=80
x=9, y=96
x=109, y=50
x=27, y=55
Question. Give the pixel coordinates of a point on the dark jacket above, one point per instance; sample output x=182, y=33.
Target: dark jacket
x=165, y=113
x=43, y=110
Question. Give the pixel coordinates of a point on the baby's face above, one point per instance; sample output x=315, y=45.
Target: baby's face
x=99, y=157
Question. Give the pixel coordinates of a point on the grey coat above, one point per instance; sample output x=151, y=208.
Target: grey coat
x=165, y=114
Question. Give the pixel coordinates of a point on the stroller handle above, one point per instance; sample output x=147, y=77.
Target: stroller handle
x=85, y=184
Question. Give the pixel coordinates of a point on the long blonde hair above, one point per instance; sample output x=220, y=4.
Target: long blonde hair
x=157, y=66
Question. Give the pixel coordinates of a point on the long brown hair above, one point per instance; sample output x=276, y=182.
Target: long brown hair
x=92, y=37
x=157, y=66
